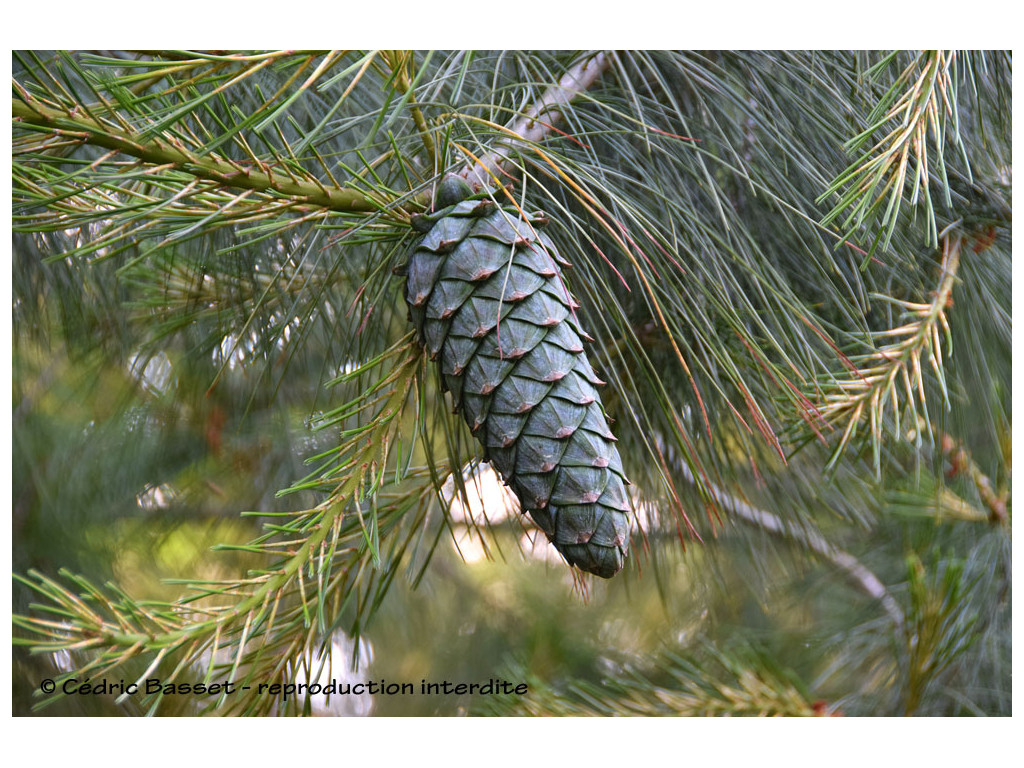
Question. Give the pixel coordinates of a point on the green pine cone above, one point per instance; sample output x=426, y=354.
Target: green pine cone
x=485, y=292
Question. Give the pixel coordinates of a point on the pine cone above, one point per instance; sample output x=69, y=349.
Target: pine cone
x=486, y=294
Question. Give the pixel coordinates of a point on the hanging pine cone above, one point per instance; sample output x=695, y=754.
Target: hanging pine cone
x=485, y=292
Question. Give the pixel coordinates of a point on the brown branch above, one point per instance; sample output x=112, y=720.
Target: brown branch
x=858, y=574
x=530, y=128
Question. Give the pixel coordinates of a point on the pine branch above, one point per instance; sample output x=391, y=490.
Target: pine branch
x=399, y=62
x=538, y=122
x=162, y=152
x=724, y=685
x=962, y=463
x=938, y=631
x=858, y=574
x=874, y=382
x=273, y=604
x=921, y=101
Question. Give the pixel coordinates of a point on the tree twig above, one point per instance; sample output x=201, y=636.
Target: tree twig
x=962, y=463
x=399, y=63
x=162, y=151
x=858, y=574
x=539, y=120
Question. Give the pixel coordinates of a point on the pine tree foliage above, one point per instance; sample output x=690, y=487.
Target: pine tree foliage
x=708, y=684
x=795, y=268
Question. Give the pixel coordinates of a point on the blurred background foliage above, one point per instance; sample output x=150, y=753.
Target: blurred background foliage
x=796, y=267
